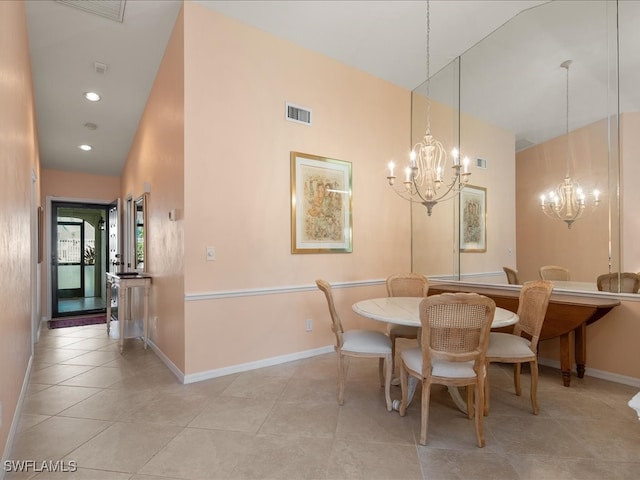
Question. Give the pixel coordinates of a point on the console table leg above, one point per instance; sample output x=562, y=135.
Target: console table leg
x=581, y=348
x=108, y=307
x=565, y=359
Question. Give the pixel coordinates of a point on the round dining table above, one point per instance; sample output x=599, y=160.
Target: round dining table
x=406, y=311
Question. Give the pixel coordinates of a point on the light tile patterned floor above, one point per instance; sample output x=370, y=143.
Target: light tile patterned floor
x=126, y=417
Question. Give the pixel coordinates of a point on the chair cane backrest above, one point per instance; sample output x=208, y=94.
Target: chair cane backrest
x=512, y=276
x=626, y=281
x=407, y=285
x=336, y=324
x=554, y=272
x=532, y=308
x=455, y=328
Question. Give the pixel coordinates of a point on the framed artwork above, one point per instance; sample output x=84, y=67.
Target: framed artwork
x=473, y=219
x=321, y=220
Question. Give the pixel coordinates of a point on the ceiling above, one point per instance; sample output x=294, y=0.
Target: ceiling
x=384, y=38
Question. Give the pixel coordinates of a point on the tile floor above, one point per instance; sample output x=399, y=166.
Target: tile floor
x=127, y=417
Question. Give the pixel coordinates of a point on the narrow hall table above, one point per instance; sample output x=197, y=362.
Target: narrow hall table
x=124, y=282
x=567, y=312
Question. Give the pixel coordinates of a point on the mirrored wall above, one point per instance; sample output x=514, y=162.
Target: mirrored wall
x=504, y=104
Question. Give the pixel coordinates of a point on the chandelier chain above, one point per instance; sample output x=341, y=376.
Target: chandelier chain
x=428, y=67
x=567, y=120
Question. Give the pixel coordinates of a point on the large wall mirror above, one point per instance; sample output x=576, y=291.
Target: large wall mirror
x=503, y=104
x=140, y=233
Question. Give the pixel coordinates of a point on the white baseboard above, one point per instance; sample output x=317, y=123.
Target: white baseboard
x=592, y=372
x=167, y=361
x=267, y=362
x=16, y=416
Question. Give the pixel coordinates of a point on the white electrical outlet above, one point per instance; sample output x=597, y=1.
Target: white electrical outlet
x=211, y=254
x=154, y=323
x=309, y=325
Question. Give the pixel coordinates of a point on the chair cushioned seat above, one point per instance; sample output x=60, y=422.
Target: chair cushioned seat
x=403, y=330
x=412, y=358
x=366, y=341
x=506, y=344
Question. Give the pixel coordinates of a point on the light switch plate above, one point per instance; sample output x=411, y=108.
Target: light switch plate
x=211, y=254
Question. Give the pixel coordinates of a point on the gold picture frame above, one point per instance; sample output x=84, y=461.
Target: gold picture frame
x=473, y=219
x=321, y=215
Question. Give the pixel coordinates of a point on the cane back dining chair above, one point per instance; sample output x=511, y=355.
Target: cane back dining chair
x=554, y=272
x=404, y=285
x=522, y=345
x=455, y=335
x=512, y=276
x=358, y=343
x=625, y=282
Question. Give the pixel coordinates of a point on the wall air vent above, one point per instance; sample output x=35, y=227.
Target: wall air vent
x=111, y=9
x=298, y=114
x=481, y=163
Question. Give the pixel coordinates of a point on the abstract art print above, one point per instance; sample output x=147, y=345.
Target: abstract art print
x=473, y=219
x=321, y=220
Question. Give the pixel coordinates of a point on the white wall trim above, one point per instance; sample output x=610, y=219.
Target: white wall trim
x=592, y=372
x=193, y=297
x=267, y=362
x=16, y=415
x=167, y=361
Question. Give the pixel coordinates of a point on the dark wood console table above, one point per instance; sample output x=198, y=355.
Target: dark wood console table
x=567, y=312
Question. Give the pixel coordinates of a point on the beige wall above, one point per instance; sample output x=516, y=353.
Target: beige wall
x=157, y=159
x=583, y=248
x=237, y=187
x=630, y=171
x=18, y=159
x=83, y=186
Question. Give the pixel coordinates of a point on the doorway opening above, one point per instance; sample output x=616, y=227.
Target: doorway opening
x=79, y=258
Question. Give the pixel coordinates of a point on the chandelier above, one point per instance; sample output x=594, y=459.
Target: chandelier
x=424, y=177
x=568, y=201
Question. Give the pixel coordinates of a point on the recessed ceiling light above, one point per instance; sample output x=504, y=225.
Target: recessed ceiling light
x=91, y=96
x=86, y=148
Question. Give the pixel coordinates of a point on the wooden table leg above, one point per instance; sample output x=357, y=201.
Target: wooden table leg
x=145, y=319
x=108, y=307
x=122, y=314
x=581, y=348
x=565, y=359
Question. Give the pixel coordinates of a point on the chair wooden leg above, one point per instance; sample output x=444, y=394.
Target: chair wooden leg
x=387, y=382
x=404, y=387
x=486, y=390
x=341, y=374
x=516, y=378
x=479, y=410
x=470, y=406
x=424, y=420
x=381, y=371
x=534, y=386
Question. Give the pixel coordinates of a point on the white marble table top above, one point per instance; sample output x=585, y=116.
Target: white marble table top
x=405, y=311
